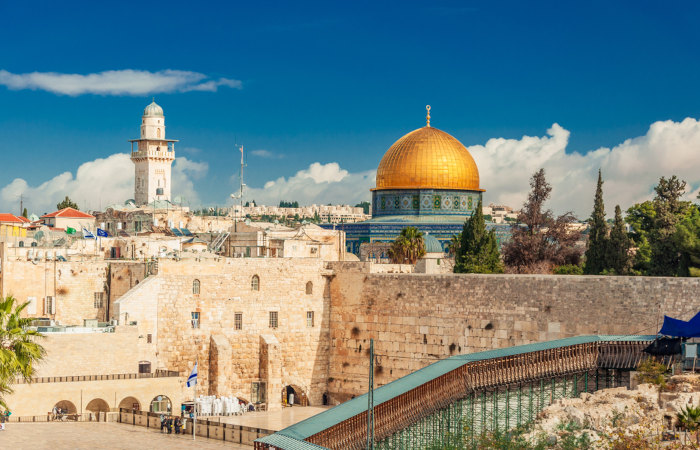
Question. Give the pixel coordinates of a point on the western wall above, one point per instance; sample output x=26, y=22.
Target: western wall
x=416, y=319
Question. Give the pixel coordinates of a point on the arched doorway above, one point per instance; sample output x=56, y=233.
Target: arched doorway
x=97, y=406
x=294, y=395
x=130, y=403
x=161, y=404
x=66, y=407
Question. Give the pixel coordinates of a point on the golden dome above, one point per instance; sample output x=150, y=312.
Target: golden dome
x=428, y=158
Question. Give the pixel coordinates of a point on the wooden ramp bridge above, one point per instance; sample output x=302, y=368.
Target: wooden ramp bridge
x=456, y=399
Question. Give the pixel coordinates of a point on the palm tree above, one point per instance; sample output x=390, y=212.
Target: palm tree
x=19, y=352
x=408, y=247
x=689, y=420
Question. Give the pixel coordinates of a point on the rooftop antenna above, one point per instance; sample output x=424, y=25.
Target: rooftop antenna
x=239, y=196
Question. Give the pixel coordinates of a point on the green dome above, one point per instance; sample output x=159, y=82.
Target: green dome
x=153, y=110
x=432, y=245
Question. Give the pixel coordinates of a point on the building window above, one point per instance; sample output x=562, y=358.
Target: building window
x=195, y=287
x=99, y=296
x=309, y=288
x=273, y=319
x=310, y=319
x=149, y=338
x=49, y=305
x=238, y=321
x=195, y=320
x=255, y=283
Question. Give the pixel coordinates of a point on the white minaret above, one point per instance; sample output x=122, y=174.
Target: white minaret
x=152, y=157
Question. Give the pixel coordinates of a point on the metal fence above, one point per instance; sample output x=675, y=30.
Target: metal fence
x=211, y=429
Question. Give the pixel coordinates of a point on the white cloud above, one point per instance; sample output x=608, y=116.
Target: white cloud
x=115, y=82
x=319, y=184
x=630, y=169
x=183, y=173
x=267, y=154
x=96, y=184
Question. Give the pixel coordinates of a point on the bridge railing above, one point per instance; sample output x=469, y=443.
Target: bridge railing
x=491, y=372
x=115, y=376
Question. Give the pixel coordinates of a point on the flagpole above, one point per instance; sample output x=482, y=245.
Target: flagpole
x=194, y=402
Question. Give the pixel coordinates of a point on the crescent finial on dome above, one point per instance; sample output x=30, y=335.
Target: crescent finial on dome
x=427, y=118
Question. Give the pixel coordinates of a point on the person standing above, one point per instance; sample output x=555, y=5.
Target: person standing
x=178, y=425
x=162, y=422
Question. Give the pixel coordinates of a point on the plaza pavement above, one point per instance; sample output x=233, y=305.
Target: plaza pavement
x=93, y=435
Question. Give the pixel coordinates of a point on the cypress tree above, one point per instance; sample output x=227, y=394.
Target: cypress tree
x=665, y=251
x=478, y=249
x=596, y=251
x=25, y=214
x=619, y=245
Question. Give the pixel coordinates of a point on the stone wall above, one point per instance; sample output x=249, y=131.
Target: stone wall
x=39, y=398
x=74, y=354
x=163, y=305
x=71, y=284
x=416, y=319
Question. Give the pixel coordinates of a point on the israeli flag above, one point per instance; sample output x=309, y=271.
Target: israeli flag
x=87, y=234
x=102, y=233
x=193, y=376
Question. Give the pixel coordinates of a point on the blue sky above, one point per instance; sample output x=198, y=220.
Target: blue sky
x=339, y=82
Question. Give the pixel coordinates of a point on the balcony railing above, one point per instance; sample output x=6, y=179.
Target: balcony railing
x=116, y=376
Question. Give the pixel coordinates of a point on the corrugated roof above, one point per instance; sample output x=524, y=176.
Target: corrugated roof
x=288, y=443
x=351, y=408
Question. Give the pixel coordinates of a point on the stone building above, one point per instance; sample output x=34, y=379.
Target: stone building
x=256, y=325
x=153, y=156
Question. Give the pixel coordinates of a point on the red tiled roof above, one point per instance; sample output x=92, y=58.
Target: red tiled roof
x=70, y=213
x=24, y=219
x=7, y=217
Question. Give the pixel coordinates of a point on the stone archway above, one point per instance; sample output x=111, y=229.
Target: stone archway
x=67, y=406
x=161, y=404
x=293, y=393
x=130, y=403
x=97, y=406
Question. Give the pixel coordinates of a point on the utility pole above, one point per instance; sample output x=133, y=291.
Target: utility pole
x=370, y=399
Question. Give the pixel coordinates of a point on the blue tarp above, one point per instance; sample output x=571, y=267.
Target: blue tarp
x=681, y=328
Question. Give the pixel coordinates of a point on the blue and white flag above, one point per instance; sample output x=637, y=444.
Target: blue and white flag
x=87, y=234
x=102, y=233
x=193, y=376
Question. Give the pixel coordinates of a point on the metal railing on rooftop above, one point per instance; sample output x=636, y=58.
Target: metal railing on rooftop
x=116, y=376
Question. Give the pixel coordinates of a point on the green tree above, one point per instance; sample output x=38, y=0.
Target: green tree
x=618, y=255
x=19, y=351
x=67, y=203
x=25, y=214
x=640, y=218
x=408, y=247
x=478, y=250
x=665, y=253
x=688, y=241
x=364, y=205
x=597, y=249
